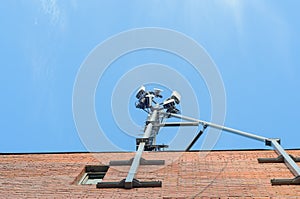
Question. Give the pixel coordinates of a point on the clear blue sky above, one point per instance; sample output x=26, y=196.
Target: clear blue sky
x=255, y=45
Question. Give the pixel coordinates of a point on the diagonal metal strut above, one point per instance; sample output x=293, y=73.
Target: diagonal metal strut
x=137, y=158
x=290, y=163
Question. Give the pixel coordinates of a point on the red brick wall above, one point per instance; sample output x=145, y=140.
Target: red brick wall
x=224, y=174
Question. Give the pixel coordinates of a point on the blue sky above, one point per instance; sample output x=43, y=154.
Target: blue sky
x=254, y=44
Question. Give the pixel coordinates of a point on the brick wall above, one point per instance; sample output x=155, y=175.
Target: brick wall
x=218, y=174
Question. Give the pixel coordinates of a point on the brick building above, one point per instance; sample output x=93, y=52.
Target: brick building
x=215, y=174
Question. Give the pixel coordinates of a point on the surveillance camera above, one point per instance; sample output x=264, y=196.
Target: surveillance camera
x=140, y=92
x=169, y=103
x=176, y=96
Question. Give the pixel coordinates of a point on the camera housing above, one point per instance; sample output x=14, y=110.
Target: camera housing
x=169, y=103
x=140, y=92
x=176, y=96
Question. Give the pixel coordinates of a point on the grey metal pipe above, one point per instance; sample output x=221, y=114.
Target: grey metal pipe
x=178, y=124
x=148, y=130
x=231, y=130
x=136, y=160
x=153, y=116
x=291, y=164
x=134, y=166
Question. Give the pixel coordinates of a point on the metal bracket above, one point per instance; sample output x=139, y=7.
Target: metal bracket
x=268, y=142
x=135, y=184
x=130, y=182
x=279, y=159
x=155, y=147
x=142, y=162
x=139, y=140
x=294, y=181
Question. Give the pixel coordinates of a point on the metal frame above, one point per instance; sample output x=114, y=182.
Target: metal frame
x=151, y=129
x=275, y=143
x=279, y=159
x=157, y=113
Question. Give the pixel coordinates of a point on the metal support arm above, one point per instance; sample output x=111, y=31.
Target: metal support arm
x=224, y=128
x=291, y=164
x=134, y=166
x=167, y=124
x=136, y=161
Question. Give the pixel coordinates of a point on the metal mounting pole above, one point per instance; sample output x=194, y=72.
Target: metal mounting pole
x=231, y=130
x=134, y=166
x=136, y=161
x=291, y=164
x=157, y=112
x=151, y=129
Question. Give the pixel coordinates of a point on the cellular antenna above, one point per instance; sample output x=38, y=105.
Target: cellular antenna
x=158, y=112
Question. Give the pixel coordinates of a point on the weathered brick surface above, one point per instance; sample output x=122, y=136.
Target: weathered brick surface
x=218, y=174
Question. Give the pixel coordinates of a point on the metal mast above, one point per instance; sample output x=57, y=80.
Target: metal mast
x=157, y=113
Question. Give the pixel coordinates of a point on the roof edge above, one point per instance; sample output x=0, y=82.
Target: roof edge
x=76, y=152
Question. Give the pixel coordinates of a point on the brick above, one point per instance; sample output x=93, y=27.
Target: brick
x=217, y=174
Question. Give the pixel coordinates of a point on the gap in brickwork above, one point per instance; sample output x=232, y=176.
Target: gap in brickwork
x=91, y=174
